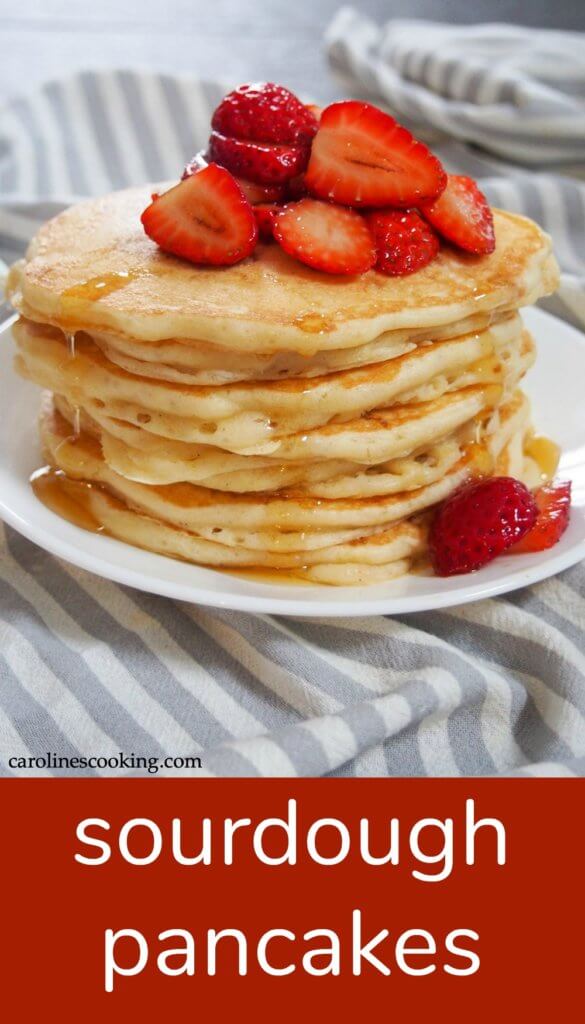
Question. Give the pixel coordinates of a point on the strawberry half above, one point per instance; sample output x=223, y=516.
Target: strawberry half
x=362, y=157
x=262, y=162
x=315, y=110
x=204, y=219
x=553, y=502
x=253, y=192
x=325, y=237
x=478, y=523
x=404, y=241
x=264, y=112
x=256, y=194
x=462, y=215
x=296, y=188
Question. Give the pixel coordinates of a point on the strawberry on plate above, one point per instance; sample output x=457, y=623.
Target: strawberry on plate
x=204, y=219
x=325, y=237
x=462, y=215
x=265, y=163
x=553, y=502
x=404, y=241
x=479, y=522
x=264, y=112
x=362, y=157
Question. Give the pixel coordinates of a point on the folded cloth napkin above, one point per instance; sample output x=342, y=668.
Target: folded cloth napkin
x=91, y=668
x=518, y=92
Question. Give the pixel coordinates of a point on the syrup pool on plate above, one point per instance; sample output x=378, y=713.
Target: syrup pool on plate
x=68, y=498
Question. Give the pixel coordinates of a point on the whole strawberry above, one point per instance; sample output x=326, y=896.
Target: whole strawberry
x=478, y=523
x=261, y=132
x=404, y=241
x=264, y=112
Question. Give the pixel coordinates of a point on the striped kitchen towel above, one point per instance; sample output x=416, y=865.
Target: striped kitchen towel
x=491, y=99
x=517, y=92
x=92, y=669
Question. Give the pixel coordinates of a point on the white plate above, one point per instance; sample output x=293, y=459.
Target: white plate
x=555, y=385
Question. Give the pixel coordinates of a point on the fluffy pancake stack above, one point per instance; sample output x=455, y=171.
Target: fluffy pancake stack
x=266, y=416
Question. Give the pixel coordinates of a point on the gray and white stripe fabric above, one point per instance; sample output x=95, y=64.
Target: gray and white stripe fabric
x=91, y=668
x=491, y=100
x=517, y=92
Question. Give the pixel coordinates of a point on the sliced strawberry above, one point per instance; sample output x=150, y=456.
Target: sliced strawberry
x=296, y=188
x=261, y=162
x=404, y=241
x=264, y=112
x=553, y=502
x=204, y=219
x=478, y=523
x=255, y=193
x=264, y=214
x=325, y=237
x=315, y=110
x=362, y=157
x=462, y=215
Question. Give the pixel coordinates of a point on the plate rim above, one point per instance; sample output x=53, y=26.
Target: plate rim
x=309, y=607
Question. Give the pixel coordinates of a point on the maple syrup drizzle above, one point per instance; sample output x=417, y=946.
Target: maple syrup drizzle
x=92, y=290
x=70, y=338
x=546, y=454
x=480, y=458
x=97, y=287
x=69, y=499
x=314, y=323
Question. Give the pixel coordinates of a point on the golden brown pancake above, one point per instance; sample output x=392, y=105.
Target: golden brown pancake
x=266, y=416
x=93, y=267
x=245, y=415
x=178, y=520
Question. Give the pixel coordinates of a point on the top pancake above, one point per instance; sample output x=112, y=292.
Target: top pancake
x=93, y=267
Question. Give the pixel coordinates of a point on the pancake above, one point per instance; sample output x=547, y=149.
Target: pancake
x=381, y=557
x=250, y=414
x=185, y=362
x=265, y=417
x=147, y=459
x=379, y=552
x=150, y=459
x=191, y=507
x=93, y=268
x=326, y=479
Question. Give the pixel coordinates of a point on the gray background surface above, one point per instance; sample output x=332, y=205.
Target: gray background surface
x=233, y=39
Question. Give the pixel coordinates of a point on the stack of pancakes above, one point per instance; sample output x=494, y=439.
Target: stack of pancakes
x=265, y=416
